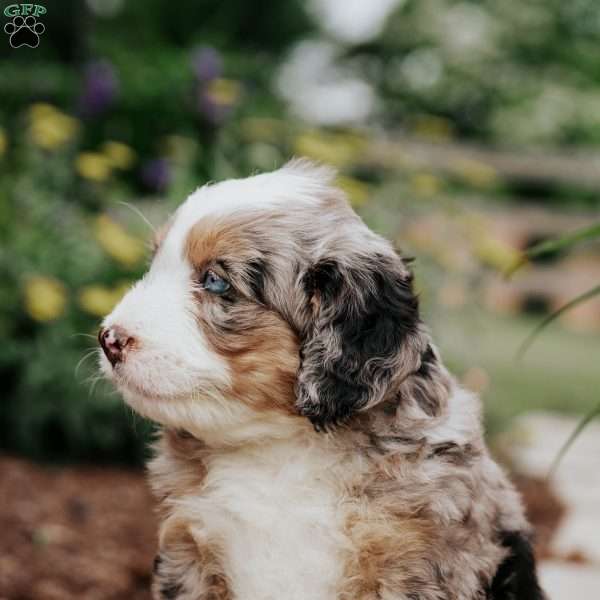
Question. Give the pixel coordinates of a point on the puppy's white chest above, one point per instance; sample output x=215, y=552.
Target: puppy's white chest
x=277, y=526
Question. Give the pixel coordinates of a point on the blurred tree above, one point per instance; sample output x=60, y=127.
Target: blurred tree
x=516, y=71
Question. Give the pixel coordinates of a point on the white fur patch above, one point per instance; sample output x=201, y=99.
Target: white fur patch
x=274, y=513
x=462, y=421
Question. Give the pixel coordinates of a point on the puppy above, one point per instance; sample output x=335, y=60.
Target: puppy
x=313, y=445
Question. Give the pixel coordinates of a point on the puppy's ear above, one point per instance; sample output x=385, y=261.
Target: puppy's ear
x=362, y=335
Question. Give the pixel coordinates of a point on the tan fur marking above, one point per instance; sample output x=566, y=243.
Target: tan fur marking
x=264, y=371
x=383, y=541
x=259, y=345
x=213, y=238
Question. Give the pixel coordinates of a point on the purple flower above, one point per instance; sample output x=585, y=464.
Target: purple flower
x=156, y=174
x=100, y=88
x=206, y=63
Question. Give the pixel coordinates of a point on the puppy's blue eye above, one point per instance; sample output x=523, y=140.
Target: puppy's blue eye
x=214, y=284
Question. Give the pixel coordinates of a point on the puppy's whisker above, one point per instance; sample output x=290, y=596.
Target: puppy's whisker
x=139, y=213
x=90, y=379
x=94, y=383
x=87, y=355
x=88, y=335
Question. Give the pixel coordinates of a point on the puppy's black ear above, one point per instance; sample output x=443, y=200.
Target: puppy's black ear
x=361, y=336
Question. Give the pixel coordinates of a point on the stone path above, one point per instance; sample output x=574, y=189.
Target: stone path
x=536, y=439
x=564, y=581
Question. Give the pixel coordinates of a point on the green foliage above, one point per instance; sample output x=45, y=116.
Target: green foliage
x=555, y=246
x=583, y=423
x=595, y=291
x=46, y=410
x=565, y=242
x=513, y=72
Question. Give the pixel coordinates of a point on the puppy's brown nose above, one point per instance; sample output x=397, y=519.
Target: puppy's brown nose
x=114, y=340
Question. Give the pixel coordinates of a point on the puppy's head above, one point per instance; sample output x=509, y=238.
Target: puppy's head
x=266, y=296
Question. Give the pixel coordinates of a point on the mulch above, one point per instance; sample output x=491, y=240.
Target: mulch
x=89, y=533
x=74, y=532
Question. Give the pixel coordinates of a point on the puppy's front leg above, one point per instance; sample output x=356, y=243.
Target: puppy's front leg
x=184, y=572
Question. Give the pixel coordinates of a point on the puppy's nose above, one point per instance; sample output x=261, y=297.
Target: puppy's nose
x=114, y=340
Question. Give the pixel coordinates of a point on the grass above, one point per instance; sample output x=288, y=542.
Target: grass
x=560, y=372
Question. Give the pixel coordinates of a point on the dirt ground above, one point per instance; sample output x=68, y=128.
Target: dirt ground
x=73, y=532
x=88, y=533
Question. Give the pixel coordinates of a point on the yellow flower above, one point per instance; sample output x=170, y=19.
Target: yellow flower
x=335, y=149
x=357, y=191
x=99, y=300
x=224, y=92
x=262, y=129
x=93, y=166
x=118, y=155
x=474, y=172
x=45, y=298
x=120, y=245
x=3, y=142
x=495, y=253
x=425, y=184
x=490, y=251
x=39, y=110
x=50, y=128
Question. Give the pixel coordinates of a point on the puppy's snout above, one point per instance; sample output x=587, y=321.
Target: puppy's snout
x=114, y=340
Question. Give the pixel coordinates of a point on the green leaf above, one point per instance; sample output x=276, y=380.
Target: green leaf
x=549, y=246
x=533, y=335
x=574, y=435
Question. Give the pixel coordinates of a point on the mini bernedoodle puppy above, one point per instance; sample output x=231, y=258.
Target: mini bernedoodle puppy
x=313, y=445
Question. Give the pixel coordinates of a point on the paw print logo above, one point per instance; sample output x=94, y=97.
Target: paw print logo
x=24, y=31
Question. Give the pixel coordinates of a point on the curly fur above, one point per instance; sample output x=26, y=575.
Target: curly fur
x=313, y=444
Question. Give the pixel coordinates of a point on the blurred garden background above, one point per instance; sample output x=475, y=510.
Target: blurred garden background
x=466, y=131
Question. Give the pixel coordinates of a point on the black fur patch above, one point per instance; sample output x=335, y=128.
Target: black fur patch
x=516, y=577
x=257, y=271
x=365, y=313
x=325, y=278
x=428, y=360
